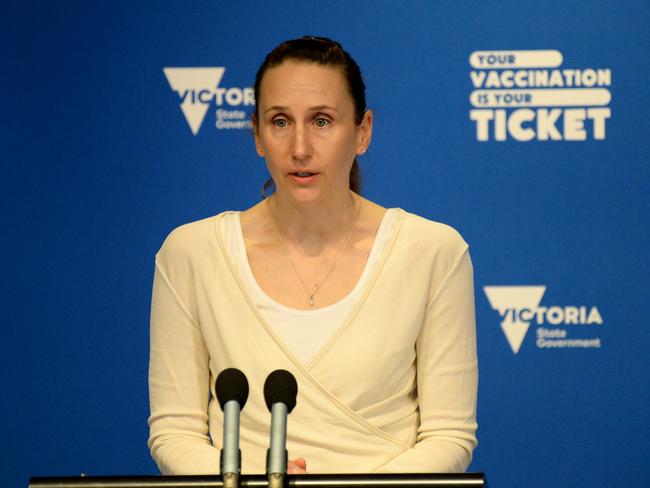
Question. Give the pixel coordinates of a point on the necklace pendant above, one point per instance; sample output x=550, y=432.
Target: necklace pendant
x=311, y=300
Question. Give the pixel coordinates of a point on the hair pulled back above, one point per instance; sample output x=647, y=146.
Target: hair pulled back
x=325, y=52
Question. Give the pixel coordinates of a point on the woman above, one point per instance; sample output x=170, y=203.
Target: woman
x=370, y=308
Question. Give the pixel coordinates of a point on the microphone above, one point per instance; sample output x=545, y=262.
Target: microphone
x=232, y=392
x=280, y=391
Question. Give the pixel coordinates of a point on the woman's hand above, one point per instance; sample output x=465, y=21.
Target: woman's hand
x=297, y=466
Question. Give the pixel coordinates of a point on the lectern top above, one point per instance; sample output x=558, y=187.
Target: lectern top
x=463, y=480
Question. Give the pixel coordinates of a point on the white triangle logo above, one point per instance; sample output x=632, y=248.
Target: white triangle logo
x=196, y=88
x=508, y=301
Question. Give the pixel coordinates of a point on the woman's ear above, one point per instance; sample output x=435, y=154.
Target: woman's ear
x=256, y=133
x=365, y=132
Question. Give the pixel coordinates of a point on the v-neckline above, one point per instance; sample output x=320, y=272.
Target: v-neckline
x=363, y=277
x=362, y=297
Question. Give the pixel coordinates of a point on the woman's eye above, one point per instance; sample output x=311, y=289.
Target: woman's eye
x=281, y=123
x=321, y=122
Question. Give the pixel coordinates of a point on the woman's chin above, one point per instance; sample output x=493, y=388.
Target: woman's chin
x=305, y=196
x=313, y=194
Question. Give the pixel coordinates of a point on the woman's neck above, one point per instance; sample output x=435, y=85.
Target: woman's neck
x=313, y=227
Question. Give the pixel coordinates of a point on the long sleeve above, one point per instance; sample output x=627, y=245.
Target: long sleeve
x=447, y=379
x=178, y=385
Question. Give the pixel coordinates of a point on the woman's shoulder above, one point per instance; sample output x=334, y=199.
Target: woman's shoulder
x=193, y=236
x=425, y=248
x=426, y=230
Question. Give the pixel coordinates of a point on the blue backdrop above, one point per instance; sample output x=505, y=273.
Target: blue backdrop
x=541, y=163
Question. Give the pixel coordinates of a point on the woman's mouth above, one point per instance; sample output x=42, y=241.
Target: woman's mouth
x=303, y=177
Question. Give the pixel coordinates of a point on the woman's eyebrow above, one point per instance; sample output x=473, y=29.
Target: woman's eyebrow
x=324, y=107
x=276, y=108
x=279, y=108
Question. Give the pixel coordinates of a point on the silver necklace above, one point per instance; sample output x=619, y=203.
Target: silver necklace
x=311, y=292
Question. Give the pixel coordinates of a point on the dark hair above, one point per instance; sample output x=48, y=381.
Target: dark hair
x=325, y=52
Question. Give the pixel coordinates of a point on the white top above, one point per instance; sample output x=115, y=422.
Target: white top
x=393, y=390
x=305, y=332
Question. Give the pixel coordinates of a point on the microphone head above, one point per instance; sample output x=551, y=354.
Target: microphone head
x=281, y=387
x=231, y=385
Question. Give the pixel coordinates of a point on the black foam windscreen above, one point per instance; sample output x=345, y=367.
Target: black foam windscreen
x=231, y=385
x=281, y=387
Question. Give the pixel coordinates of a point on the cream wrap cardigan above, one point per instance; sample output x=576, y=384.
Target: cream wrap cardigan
x=394, y=390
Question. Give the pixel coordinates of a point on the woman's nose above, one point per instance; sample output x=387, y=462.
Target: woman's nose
x=301, y=146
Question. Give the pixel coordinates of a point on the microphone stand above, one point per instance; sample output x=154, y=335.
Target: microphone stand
x=277, y=463
x=231, y=454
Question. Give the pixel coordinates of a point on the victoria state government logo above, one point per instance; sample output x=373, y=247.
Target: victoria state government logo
x=199, y=89
x=556, y=326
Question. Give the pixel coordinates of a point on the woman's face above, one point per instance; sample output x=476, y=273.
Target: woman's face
x=306, y=130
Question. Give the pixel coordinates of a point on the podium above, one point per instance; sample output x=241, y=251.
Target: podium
x=461, y=480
